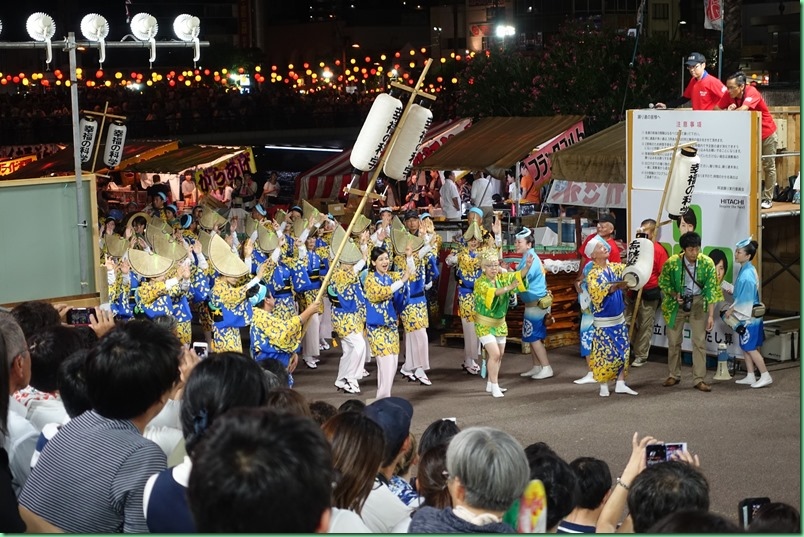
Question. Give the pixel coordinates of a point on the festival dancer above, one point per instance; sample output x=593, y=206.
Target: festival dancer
x=492, y=293
x=386, y=296
x=610, y=345
x=467, y=272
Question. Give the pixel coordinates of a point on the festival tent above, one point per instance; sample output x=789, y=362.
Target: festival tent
x=328, y=179
x=63, y=163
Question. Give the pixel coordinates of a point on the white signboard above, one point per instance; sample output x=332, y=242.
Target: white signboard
x=724, y=145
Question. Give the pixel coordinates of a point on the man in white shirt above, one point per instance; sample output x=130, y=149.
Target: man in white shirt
x=482, y=192
x=188, y=190
x=450, y=197
x=383, y=509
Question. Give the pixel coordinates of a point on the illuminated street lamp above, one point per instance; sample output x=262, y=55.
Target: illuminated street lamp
x=504, y=31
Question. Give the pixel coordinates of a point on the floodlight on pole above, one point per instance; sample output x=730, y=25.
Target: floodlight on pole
x=186, y=27
x=144, y=27
x=96, y=28
x=41, y=27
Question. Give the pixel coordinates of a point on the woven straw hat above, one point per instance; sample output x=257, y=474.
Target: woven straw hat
x=361, y=223
x=250, y=225
x=309, y=212
x=298, y=227
x=149, y=265
x=396, y=223
x=116, y=245
x=156, y=226
x=204, y=238
x=401, y=238
x=166, y=246
x=473, y=232
x=280, y=216
x=351, y=253
x=267, y=240
x=131, y=217
x=209, y=219
x=224, y=260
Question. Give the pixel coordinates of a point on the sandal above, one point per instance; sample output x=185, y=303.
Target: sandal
x=471, y=369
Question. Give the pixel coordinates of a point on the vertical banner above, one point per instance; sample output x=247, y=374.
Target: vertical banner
x=713, y=14
x=537, y=164
x=723, y=204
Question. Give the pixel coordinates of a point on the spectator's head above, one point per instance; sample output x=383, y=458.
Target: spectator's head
x=694, y=521
x=216, y=384
x=72, y=384
x=277, y=369
x=649, y=227
x=131, y=370
x=288, y=400
x=665, y=488
x=409, y=458
x=321, y=411
x=358, y=445
x=4, y=373
x=393, y=415
x=560, y=485
x=438, y=433
x=34, y=316
x=49, y=348
x=487, y=469
x=352, y=405
x=431, y=478
x=690, y=243
x=776, y=517
x=258, y=471
x=17, y=357
x=412, y=222
x=168, y=322
x=594, y=482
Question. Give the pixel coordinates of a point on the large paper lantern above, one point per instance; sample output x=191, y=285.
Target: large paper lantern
x=682, y=182
x=400, y=157
x=639, y=262
x=376, y=131
x=88, y=128
x=115, y=139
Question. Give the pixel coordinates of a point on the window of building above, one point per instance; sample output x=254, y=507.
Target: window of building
x=661, y=11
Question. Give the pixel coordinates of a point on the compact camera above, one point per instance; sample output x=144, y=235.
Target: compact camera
x=686, y=304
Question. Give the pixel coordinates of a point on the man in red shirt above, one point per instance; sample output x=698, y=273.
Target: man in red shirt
x=704, y=90
x=747, y=97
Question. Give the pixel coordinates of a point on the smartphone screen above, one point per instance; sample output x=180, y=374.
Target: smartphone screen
x=748, y=508
x=80, y=316
x=654, y=454
x=201, y=349
x=671, y=448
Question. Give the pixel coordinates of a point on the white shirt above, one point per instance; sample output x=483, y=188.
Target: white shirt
x=383, y=509
x=346, y=521
x=449, y=192
x=482, y=192
x=514, y=193
x=20, y=444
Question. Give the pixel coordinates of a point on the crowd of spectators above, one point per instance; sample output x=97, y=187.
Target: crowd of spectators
x=158, y=111
x=150, y=438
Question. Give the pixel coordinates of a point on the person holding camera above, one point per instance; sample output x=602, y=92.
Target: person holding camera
x=690, y=291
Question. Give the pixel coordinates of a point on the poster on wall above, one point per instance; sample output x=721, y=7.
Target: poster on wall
x=721, y=209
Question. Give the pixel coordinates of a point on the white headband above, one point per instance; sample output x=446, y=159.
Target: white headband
x=524, y=234
x=592, y=244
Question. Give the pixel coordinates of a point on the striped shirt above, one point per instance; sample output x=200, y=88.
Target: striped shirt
x=91, y=475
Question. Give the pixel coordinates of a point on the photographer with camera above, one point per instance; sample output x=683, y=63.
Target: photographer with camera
x=690, y=291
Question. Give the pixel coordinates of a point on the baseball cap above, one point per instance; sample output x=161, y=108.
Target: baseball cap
x=411, y=214
x=393, y=415
x=695, y=58
x=607, y=218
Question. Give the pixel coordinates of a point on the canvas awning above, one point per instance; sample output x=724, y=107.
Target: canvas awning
x=328, y=179
x=495, y=144
x=63, y=163
x=600, y=158
x=184, y=158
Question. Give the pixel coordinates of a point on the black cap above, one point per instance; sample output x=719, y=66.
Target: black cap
x=695, y=58
x=393, y=415
x=608, y=217
x=411, y=214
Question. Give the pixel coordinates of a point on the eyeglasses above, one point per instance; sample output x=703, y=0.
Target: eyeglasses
x=693, y=67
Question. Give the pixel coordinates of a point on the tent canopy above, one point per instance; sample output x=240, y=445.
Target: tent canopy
x=63, y=163
x=495, y=144
x=327, y=179
x=181, y=159
x=599, y=158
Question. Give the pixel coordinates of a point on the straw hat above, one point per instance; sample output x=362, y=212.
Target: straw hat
x=298, y=227
x=250, y=225
x=351, y=253
x=149, y=265
x=473, y=232
x=156, y=226
x=396, y=223
x=401, y=239
x=309, y=212
x=166, y=246
x=280, y=216
x=361, y=223
x=131, y=217
x=209, y=219
x=224, y=260
x=116, y=245
x=204, y=238
x=267, y=240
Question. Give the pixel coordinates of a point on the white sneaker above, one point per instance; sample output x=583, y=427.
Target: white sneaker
x=346, y=386
x=622, y=388
x=354, y=385
x=490, y=386
x=764, y=380
x=536, y=369
x=545, y=373
x=365, y=373
x=589, y=378
x=309, y=362
x=766, y=204
x=748, y=379
x=604, y=389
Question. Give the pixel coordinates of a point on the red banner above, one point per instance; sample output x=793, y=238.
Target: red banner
x=713, y=14
x=537, y=164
